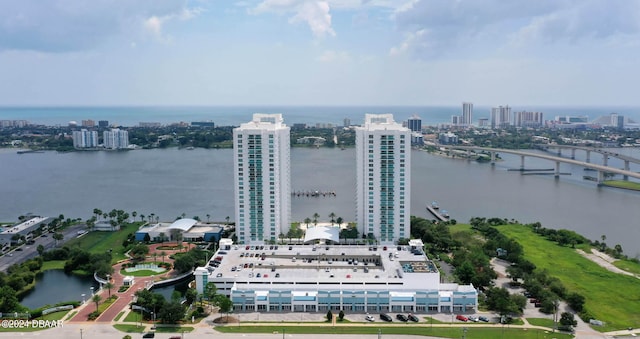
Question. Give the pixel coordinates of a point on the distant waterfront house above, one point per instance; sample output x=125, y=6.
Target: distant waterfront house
x=105, y=226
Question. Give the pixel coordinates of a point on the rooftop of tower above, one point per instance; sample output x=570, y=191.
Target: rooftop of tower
x=264, y=121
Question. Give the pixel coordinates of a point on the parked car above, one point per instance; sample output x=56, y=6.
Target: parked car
x=385, y=317
x=369, y=318
x=149, y=335
x=175, y=337
x=402, y=317
x=483, y=318
x=413, y=318
x=473, y=318
x=462, y=318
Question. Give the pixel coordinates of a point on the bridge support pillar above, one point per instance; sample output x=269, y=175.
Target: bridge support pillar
x=573, y=153
x=493, y=158
x=600, y=177
x=559, y=152
x=588, y=156
x=522, y=163
x=605, y=160
x=557, y=172
x=626, y=168
x=469, y=155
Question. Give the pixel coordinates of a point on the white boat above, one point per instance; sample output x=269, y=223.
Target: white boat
x=444, y=214
x=434, y=205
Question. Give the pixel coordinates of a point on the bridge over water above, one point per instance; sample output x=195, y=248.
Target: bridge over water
x=605, y=153
x=602, y=169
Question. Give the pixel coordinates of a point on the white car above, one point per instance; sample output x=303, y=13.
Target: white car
x=473, y=318
x=369, y=318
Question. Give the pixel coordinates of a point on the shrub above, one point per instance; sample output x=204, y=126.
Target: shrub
x=93, y=315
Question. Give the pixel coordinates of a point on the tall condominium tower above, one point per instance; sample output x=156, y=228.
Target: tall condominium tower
x=415, y=124
x=85, y=139
x=500, y=116
x=383, y=156
x=467, y=113
x=116, y=139
x=262, y=178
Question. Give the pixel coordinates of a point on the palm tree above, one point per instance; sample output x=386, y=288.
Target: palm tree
x=339, y=220
x=157, y=219
x=315, y=218
x=333, y=217
x=183, y=215
x=108, y=285
x=142, y=216
x=57, y=237
x=227, y=219
x=97, y=212
x=162, y=236
x=307, y=221
x=604, y=246
x=208, y=216
x=163, y=254
x=96, y=299
x=134, y=214
x=151, y=216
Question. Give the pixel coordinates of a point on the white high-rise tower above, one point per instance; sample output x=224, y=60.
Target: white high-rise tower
x=262, y=178
x=383, y=155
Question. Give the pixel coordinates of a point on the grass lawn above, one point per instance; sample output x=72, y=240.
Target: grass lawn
x=100, y=242
x=129, y=328
x=54, y=316
x=133, y=317
x=119, y=316
x=546, y=322
x=141, y=273
x=623, y=184
x=71, y=315
x=445, y=332
x=628, y=266
x=52, y=265
x=610, y=297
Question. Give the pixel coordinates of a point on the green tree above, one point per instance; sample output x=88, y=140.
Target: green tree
x=332, y=216
x=171, y=312
x=108, y=285
x=339, y=220
x=208, y=216
x=57, y=237
x=190, y=295
x=96, y=299
x=329, y=316
x=341, y=315
x=40, y=249
x=224, y=303
x=8, y=300
x=315, y=218
x=575, y=301
x=567, y=319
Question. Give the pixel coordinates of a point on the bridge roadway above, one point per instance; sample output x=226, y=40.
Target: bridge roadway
x=600, y=168
x=588, y=150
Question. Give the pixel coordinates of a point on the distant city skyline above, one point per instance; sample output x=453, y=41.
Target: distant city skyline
x=331, y=52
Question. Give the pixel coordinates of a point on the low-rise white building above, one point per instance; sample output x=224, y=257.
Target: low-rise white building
x=318, y=278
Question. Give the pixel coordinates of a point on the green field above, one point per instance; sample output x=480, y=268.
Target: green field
x=628, y=266
x=630, y=185
x=52, y=265
x=544, y=322
x=129, y=328
x=100, y=242
x=142, y=273
x=385, y=331
x=610, y=297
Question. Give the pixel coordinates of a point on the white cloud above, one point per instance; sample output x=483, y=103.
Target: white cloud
x=334, y=56
x=316, y=14
x=454, y=28
x=73, y=25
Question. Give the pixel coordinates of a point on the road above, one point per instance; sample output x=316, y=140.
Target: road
x=30, y=251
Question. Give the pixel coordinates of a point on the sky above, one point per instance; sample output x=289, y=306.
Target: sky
x=331, y=52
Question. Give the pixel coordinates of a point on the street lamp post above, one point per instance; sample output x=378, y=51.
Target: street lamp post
x=91, y=290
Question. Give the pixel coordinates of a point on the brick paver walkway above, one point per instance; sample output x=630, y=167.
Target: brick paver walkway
x=125, y=298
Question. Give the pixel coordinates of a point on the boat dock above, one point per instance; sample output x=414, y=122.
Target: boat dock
x=437, y=214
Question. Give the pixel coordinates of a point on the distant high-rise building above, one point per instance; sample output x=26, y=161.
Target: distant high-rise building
x=415, y=124
x=262, y=179
x=456, y=120
x=116, y=139
x=103, y=123
x=85, y=139
x=88, y=123
x=383, y=158
x=467, y=113
x=483, y=122
x=346, y=122
x=501, y=117
x=528, y=119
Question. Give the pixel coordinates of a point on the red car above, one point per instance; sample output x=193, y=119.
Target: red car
x=462, y=318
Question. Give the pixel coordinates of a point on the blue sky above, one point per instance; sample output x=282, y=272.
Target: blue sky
x=332, y=52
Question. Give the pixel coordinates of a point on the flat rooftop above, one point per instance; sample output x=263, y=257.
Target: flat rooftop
x=24, y=225
x=320, y=264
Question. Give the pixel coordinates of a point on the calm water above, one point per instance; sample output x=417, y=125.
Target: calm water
x=54, y=286
x=199, y=182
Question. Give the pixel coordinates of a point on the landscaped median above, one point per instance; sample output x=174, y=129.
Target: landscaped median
x=609, y=297
x=458, y=331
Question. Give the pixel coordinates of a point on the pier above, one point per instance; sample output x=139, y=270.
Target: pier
x=437, y=214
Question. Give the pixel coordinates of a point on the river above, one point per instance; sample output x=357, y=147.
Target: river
x=198, y=182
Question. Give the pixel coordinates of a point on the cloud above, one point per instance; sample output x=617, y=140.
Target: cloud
x=334, y=56
x=446, y=27
x=316, y=14
x=73, y=25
